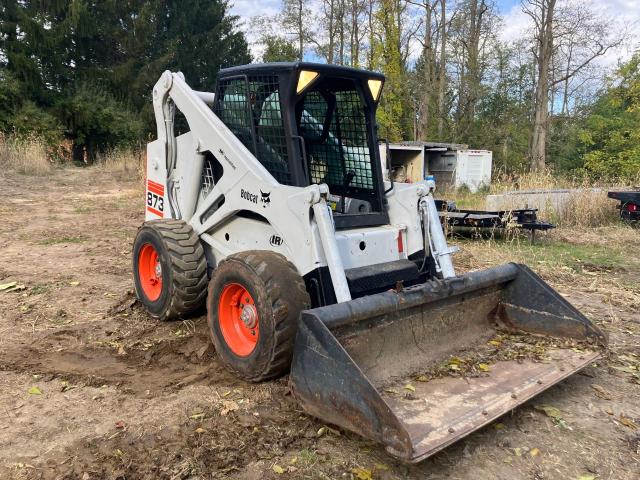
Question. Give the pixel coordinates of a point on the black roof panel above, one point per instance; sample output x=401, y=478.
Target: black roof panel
x=279, y=67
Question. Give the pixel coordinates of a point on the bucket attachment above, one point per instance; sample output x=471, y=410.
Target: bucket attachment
x=398, y=367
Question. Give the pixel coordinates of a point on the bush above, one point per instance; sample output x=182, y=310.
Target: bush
x=99, y=123
x=30, y=122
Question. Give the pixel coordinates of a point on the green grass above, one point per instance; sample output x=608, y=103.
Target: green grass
x=555, y=253
x=59, y=240
x=39, y=289
x=83, y=209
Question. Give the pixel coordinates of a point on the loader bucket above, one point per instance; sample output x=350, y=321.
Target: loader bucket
x=358, y=364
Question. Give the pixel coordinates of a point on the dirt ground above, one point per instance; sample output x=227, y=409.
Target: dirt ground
x=92, y=388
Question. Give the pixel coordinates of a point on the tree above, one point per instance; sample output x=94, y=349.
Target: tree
x=92, y=65
x=393, y=112
x=567, y=39
x=472, y=34
x=542, y=13
x=278, y=49
x=296, y=18
x=610, y=137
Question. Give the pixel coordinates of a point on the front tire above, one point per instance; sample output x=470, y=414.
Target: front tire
x=254, y=301
x=169, y=269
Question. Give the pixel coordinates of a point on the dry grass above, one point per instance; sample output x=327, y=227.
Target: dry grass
x=28, y=156
x=123, y=162
x=587, y=204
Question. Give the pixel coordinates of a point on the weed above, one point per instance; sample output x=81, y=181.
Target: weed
x=39, y=289
x=58, y=240
x=584, y=204
x=124, y=162
x=27, y=156
x=83, y=209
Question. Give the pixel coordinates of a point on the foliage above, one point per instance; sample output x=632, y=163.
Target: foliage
x=392, y=114
x=89, y=67
x=98, y=122
x=278, y=49
x=29, y=121
x=610, y=137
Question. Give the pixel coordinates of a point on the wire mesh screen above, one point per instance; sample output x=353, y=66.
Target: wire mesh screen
x=334, y=126
x=208, y=181
x=250, y=107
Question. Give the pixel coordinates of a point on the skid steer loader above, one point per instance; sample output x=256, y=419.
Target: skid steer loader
x=270, y=191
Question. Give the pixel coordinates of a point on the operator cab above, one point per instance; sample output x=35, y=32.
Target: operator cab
x=308, y=124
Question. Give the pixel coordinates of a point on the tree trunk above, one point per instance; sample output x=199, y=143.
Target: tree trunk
x=537, y=146
x=354, y=47
x=371, y=36
x=443, y=68
x=300, y=30
x=427, y=87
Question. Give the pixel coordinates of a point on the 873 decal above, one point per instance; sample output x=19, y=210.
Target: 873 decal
x=155, y=201
x=155, y=198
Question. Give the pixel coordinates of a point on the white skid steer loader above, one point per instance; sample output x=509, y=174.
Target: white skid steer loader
x=274, y=197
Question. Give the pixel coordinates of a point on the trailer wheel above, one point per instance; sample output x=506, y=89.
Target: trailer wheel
x=254, y=302
x=169, y=269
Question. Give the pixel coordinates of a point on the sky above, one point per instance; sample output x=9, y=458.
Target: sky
x=623, y=12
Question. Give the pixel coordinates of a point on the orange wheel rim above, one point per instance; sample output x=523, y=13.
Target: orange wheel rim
x=150, y=272
x=238, y=319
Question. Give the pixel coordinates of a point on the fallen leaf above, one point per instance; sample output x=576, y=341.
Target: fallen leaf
x=550, y=411
x=74, y=284
x=484, y=367
x=362, y=473
x=325, y=429
x=381, y=466
x=601, y=392
x=517, y=451
x=5, y=286
x=498, y=426
x=534, y=452
x=587, y=476
x=495, y=343
x=35, y=391
x=410, y=387
x=627, y=358
x=625, y=369
x=200, y=430
x=229, y=406
x=278, y=469
x=15, y=288
x=453, y=366
x=627, y=422
x=422, y=378
x=120, y=424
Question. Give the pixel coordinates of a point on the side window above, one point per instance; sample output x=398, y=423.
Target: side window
x=251, y=108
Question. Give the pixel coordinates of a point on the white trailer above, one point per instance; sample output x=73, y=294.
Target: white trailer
x=452, y=165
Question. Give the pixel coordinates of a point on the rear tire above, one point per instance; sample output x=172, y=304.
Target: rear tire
x=169, y=269
x=267, y=289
